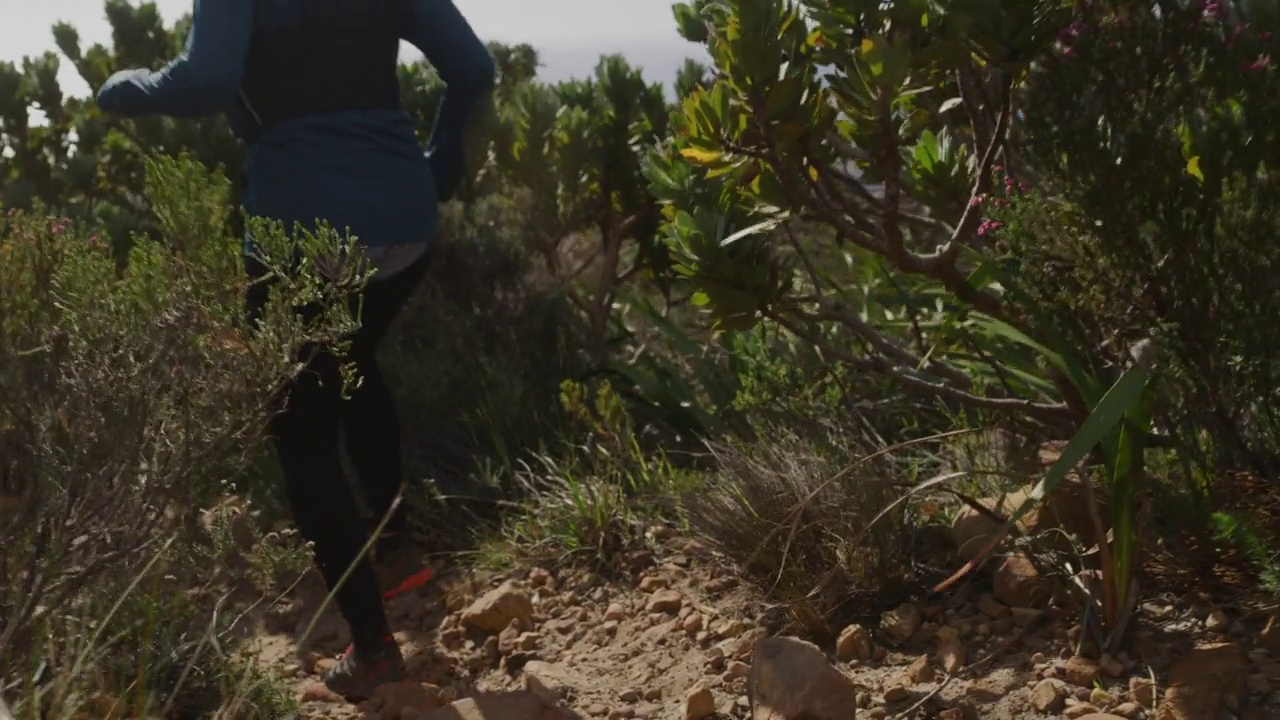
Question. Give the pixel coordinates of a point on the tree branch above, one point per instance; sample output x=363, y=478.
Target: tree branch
x=1055, y=415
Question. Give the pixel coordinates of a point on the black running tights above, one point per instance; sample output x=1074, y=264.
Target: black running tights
x=306, y=432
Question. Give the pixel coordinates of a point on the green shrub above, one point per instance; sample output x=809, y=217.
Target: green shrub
x=130, y=395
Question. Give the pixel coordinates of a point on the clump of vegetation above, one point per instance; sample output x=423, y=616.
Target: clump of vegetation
x=796, y=513
x=132, y=395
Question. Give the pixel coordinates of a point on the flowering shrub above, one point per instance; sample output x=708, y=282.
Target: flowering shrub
x=1152, y=142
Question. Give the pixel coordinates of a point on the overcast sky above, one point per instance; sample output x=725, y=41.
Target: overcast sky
x=570, y=34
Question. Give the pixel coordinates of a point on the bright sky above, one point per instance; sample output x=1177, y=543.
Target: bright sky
x=569, y=34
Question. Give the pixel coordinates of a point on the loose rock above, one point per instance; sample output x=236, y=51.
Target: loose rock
x=699, y=702
x=920, y=671
x=399, y=696
x=1046, y=697
x=1017, y=583
x=665, y=601
x=952, y=656
x=1143, y=691
x=792, y=679
x=1205, y=682
x=549, y=682
x=652, y=583
x=496, y=609
x=1217, y=621
x=896, y=692
x=1081, y=671
x=854, y=643
x=902, y=622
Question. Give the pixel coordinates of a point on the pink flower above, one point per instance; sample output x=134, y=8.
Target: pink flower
x=986, y=227
x=1214, y=10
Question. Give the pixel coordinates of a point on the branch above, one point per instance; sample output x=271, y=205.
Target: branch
x=891, y=171
x=1052, y=414
x=969, y=219
x=876, y=341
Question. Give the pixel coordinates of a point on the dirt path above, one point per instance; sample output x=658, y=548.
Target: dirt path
x=675, y=641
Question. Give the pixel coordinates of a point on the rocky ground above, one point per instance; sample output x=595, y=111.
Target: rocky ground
x=679, y=638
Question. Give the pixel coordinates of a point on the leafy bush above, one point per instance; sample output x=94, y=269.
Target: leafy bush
x=823, y=183
x=1150, y=144
x=128, y=396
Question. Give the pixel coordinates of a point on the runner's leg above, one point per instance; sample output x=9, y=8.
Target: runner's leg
x=370, y=420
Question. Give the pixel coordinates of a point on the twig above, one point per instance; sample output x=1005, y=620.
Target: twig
x=928, y=696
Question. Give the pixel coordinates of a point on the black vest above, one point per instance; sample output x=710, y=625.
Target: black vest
x=340, y=55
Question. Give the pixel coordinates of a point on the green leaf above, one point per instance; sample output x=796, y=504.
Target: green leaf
x=926, y=151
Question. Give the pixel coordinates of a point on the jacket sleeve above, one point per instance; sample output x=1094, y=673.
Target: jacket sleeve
x=446, y=39
x=203, y=80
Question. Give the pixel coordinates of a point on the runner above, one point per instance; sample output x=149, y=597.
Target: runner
x=312, y=87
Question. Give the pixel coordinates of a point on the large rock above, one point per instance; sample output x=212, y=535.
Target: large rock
x=792, y=680
x=1205, y=683
x=495, y=610
x=499, y=706
x=1017, y=583
x=1066, y=508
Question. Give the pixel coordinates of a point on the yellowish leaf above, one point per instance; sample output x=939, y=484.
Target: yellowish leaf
x=698, y=155
x=1193, y=168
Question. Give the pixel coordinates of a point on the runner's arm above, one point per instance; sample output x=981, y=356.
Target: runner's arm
x=203, y=80
x=446, y=39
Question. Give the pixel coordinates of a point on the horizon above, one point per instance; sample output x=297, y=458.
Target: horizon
x=643, y=32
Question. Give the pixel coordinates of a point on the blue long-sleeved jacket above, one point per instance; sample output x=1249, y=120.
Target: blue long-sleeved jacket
x=361, y=170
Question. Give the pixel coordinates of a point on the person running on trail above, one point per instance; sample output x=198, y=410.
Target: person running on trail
x=312, y=87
